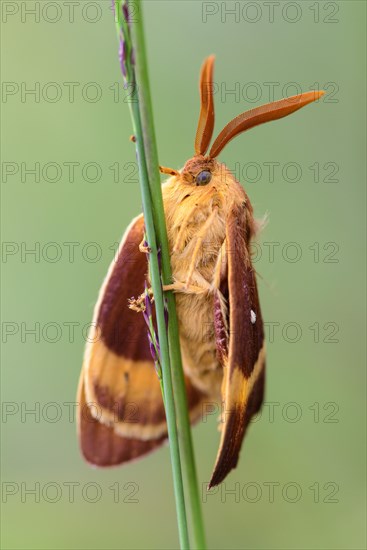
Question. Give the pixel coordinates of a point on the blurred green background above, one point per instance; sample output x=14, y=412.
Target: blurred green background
x=300, y=482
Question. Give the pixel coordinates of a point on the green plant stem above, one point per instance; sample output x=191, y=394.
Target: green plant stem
x=162, y=334
x=151, y=155
x=166, y=383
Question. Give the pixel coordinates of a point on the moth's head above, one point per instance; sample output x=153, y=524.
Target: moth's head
x=199, y=171
x=203, y=166
x=202, y=173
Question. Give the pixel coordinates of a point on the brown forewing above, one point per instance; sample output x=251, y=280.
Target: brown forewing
x=243, y=386
x=101, y=445
x=125, y=415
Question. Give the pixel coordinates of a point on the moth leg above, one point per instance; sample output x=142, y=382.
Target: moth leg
x=199, y=241
x=143, y=247
x=169, y=171
x=220, y=267
x=177, y=247
x=138, y=304
x=178, y=286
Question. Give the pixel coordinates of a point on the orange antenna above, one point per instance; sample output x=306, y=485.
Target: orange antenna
x=260, y=115
x=205, y=127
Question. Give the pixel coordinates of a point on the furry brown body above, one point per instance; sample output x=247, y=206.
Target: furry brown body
x=188, y=209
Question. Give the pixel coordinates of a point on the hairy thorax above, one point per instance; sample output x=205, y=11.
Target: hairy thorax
x=190, y=213
x=195, y=311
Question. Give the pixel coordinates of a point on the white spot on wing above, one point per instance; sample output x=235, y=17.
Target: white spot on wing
x=253, y=317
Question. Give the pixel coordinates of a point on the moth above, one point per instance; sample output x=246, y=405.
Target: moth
x=210, y=225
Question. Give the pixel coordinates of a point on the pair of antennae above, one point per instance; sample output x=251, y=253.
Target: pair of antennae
x=242, y=122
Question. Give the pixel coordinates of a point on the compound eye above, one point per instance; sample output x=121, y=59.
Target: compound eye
x=203, y=178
